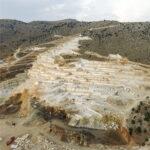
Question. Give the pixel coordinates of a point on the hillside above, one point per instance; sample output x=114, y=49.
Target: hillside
x=129, y=40
x=68, y=99
x=70, y=85
x=14, y=34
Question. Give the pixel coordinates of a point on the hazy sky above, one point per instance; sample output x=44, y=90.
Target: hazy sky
x=83, y=10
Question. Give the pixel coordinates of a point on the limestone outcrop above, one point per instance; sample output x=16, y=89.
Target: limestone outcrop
x=91, y=94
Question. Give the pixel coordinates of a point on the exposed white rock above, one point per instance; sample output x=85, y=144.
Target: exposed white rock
x=2, y=61
x=1, y=139
x=114, y=57
x=58, y=36
x=84, y=88
x=13, y=146
x=36, y=48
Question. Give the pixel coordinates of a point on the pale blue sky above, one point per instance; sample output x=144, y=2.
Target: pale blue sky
x=83, y=10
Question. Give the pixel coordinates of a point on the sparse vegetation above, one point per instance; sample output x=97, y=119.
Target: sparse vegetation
x=145, y=131
x=138, y=130
x=15, y=33
x=1, y=100
x=129, y=40
x=147, y=116
x=138, y=122
x=123, y=39
x=133, y=121
x=143, y=144
x=130, y=131
x=141, y=103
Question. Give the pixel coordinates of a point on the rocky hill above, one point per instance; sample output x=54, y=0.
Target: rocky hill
x=72, y=85
x=14, y=34
x=130, y=40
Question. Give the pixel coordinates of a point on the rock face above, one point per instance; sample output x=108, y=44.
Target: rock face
x=1, y=139
x=94, y=94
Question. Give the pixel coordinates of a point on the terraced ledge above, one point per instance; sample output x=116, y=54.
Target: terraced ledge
x=94, y=94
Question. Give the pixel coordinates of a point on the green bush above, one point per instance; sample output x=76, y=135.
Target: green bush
x=133, y=121
x=143, y=144
x=141, y=103
x=140, y=120
x=145, y=130
x=1, y=100
x=145, y=108
x=147, y=116
x=146, y=139
x=130, y=131
x=138, y=130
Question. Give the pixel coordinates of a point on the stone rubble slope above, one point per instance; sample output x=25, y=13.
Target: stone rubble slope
x=87, y=90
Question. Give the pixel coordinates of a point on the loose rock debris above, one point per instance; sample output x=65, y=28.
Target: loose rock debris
x=1, y=139
x=20, y=141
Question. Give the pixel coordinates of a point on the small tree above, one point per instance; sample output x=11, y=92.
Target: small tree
x=138, y=130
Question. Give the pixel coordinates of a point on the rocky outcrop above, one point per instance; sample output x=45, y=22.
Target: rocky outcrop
x=87, y=90
x=86, y=95
x=87, y=137
x=11, y=106
x=19, y=102
x=138, y=122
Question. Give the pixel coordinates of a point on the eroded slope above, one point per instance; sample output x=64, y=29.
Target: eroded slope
x=87, y=100
x=94, y=94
